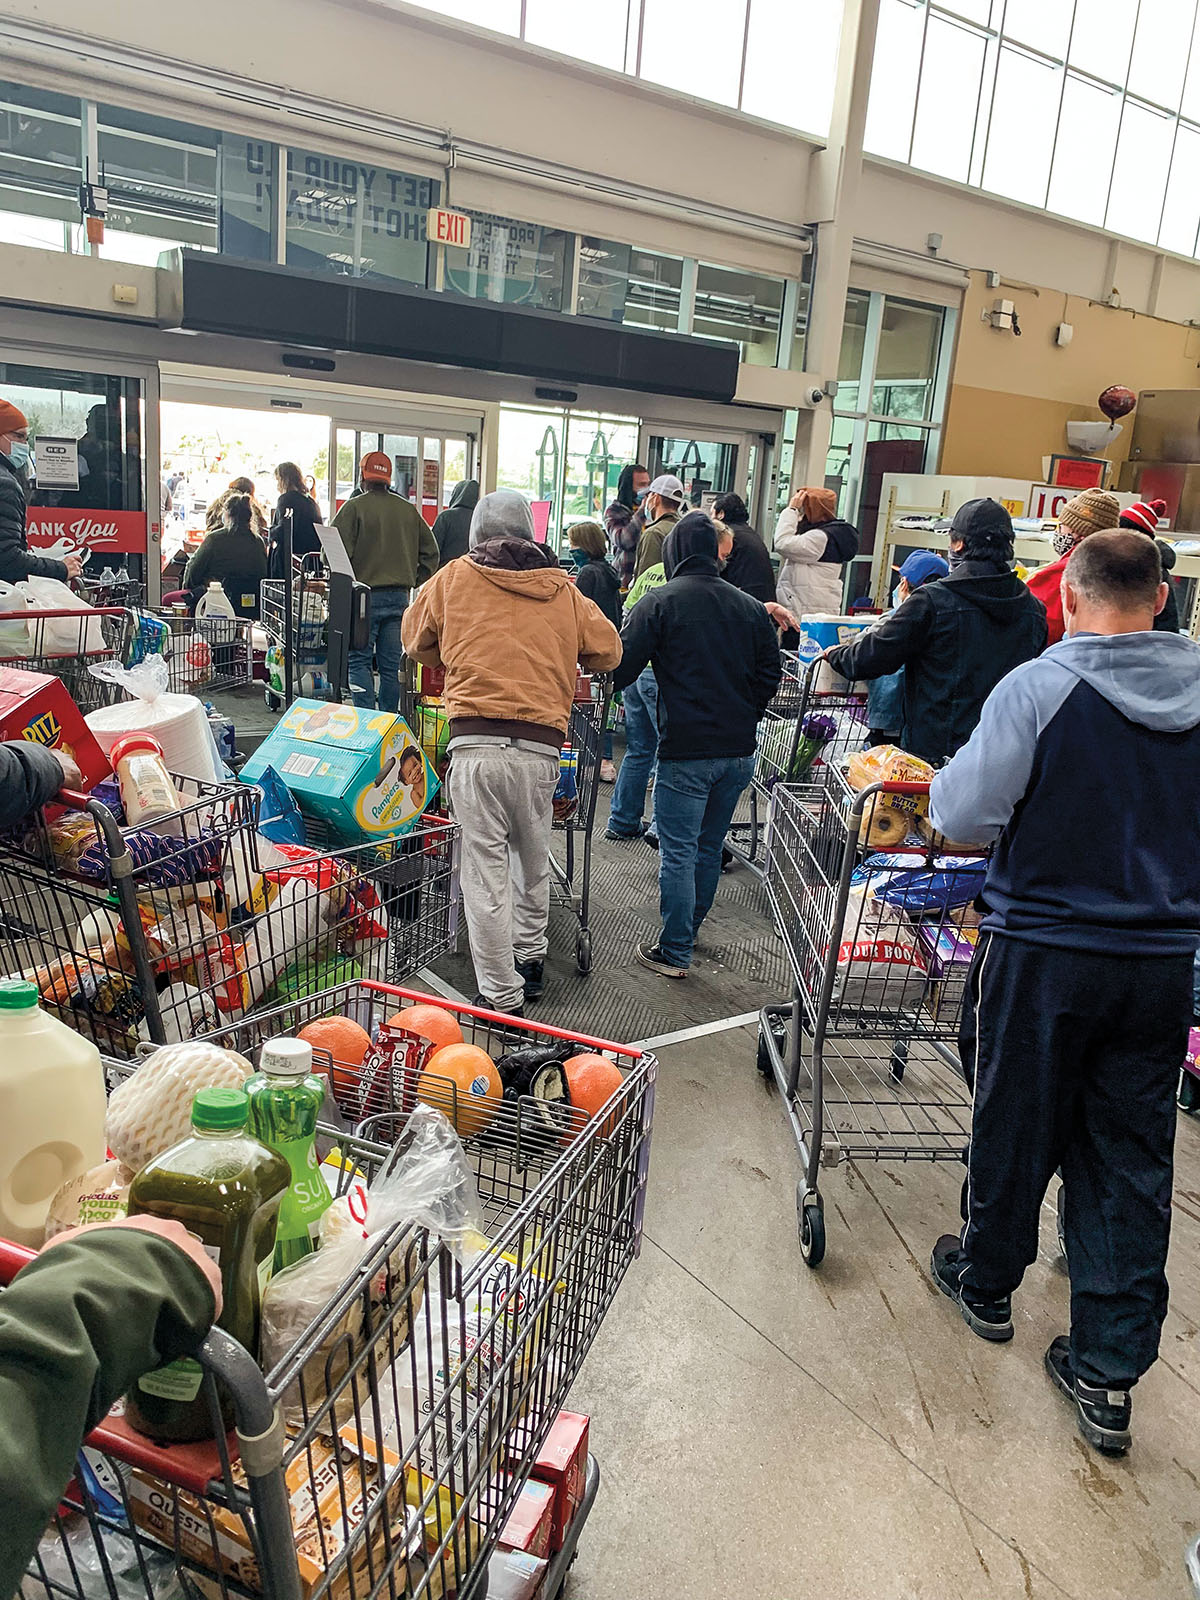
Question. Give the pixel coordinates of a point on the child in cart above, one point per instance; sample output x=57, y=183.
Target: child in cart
x=84, y=1320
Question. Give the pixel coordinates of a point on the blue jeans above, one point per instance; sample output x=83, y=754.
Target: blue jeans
x=387, y=608
x=641, y=750
x=694, y=802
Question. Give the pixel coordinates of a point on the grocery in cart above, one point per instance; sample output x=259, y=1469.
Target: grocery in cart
x=404, y=1434
x=295, y=618
x=876, y=915
x=815, y=717
x=204, y=655
x=136, y=933
x=66, y=643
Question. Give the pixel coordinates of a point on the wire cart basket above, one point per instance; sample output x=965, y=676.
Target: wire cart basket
x=204, y=655
x=66, y=643
x=880, y=949
x=297, y=646
x=135, y=936
x=383, y=1451
x=575, y=812
x=814, y=718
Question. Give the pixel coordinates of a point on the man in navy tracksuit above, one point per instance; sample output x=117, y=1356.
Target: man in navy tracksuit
x=1083, y=769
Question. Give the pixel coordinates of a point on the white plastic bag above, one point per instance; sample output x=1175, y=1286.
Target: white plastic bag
x=61, y=636
x=177, y=721
x=427, y=1183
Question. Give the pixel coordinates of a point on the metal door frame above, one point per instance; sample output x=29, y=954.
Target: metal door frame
x=741, y=439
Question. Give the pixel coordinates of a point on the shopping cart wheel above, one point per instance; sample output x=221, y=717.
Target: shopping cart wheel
x=1189, y=1091
x=274, y=701
x=810, y=1214
x=1060, y=1215
x=763, y=1059
x=898, y=1060
x=583, y=951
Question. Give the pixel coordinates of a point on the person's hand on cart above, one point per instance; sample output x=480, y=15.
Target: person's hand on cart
x=72, y=778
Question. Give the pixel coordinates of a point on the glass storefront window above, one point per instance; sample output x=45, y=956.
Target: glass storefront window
x=850, y=361
x=40, y=171
x=741, y=306
x=597, y=448
x=703, y=466
x=654, y=292
x=787, y=456
x=162, y=184
x=105, y=516
x=512, y=263
x=603, y=278
x=356, y=220
x=910, y=337
x=799, y=335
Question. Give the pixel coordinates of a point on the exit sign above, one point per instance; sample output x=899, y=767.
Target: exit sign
x=448, y=227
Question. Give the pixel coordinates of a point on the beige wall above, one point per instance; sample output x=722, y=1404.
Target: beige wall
x=1011, y=398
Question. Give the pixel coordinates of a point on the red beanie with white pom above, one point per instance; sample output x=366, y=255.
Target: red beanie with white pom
x=1144, y=516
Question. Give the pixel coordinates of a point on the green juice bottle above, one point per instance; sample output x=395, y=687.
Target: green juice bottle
x=226, y=1188
x=285, y=1102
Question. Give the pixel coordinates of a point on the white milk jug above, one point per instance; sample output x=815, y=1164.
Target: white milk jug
x=52, y=1106
x=214, y=602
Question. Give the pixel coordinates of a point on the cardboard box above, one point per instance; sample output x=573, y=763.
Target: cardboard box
x=530, y=1524
x=949, y=951
x=513, y=1575
x=362, y=772
x=330, y=1496
x=562, y=1463
x=36, y=707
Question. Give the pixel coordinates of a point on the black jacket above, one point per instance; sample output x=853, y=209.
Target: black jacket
x=16, y=562
x=955, y=639
x=237, y=561
x=600, y=583
x=1167, y=620
x=749, y=566
x=452, y=530
x=306, y=541
x=713, y=650
x=29, y=777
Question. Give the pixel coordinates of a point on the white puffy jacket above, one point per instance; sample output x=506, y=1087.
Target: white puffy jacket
x=810, y=567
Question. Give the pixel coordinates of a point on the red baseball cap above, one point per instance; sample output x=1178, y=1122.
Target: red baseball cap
x=376, y=467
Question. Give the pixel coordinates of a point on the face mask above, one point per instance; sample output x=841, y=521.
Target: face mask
x=1063, y=541
x=955, y=558
x=639, y=495
x=895, y=597
x=19, y=453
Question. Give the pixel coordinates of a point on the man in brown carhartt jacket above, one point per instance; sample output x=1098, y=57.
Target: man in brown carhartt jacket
x=509, y=627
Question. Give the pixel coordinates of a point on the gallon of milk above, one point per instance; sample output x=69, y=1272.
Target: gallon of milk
x=52, y=1106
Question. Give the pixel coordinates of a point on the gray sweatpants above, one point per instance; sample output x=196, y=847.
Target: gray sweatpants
x=501, y=796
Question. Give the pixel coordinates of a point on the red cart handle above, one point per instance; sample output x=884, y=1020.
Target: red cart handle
x=903, y=786
x=12, y=1258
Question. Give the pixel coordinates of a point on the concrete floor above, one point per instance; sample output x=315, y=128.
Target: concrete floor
x=764, y=1430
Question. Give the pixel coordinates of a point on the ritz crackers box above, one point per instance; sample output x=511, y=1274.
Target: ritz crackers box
x=34, y=706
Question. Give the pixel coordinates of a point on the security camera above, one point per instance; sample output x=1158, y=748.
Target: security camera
x=815, y=396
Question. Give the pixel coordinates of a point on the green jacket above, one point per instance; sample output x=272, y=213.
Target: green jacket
x=649, y=551
x=389, y=543
x=77, y=1327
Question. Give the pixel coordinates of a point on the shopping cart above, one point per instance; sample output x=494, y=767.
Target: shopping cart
x=66, y=643
x=880, y=950
x=575, y=812
x=204, y=655
x=132, y=936
x=814, y=718
x=413, y=1404
x=112, y=589
x=297, y=644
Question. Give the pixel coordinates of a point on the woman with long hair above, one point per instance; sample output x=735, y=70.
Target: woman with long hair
x=295, y=495
x=232, y=555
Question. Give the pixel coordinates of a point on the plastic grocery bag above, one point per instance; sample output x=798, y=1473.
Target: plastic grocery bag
x=886, y=763
x=61, y=636
x=177, y=721
x=427, y=1183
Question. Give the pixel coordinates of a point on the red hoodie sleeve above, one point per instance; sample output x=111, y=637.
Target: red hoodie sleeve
x=1046, y=585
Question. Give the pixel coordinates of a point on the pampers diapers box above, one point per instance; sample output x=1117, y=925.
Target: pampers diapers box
x=362, y=772
x=819, y=631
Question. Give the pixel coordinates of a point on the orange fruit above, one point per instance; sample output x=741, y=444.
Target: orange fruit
x=430, y=1022
x=348, y=1044
x=462, y=1081
x=592, y=1081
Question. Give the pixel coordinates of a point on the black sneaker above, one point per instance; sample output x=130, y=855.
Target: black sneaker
x=622, y=838
x=1103, y=1414
x=990, y=1319
x=727, y=858
x=651, y=838
x=484, y=1004
x=651, y=956
x=534, y=974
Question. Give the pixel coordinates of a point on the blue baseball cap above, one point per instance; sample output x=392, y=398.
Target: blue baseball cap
x=922, y=567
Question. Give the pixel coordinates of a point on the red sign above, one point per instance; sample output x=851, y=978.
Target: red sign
x=59, y=531
x=448, y=227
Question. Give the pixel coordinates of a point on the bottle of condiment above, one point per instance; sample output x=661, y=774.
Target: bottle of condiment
x=285, y=1102
x=225, y=1187
x=51, y=1110
x=147, y=792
